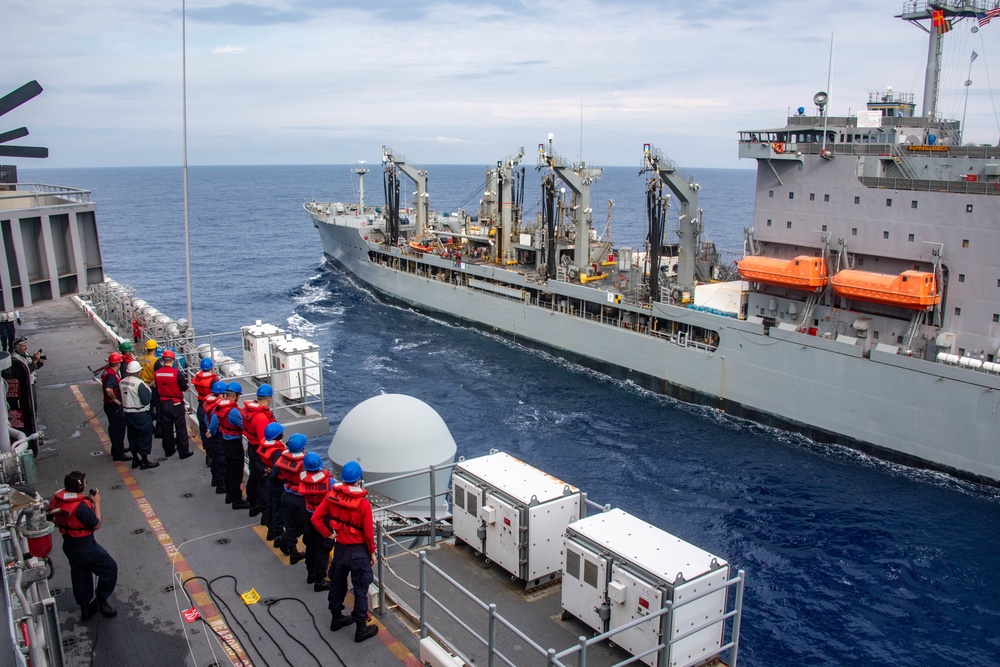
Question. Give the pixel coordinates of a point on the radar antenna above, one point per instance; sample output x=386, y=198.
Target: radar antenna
x=9, y=102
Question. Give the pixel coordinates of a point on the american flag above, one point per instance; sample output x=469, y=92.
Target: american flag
x=987, y=16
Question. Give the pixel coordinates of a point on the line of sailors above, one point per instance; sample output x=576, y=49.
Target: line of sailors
x=285, y=484
x=289, y=488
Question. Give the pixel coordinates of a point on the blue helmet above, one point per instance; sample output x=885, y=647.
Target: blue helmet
x=351, y=472
x=220, y=387
x=234, y=388
x=296, y=443
x=312, y=462
x=273, y=431
x=206, y=364
x=264, y=391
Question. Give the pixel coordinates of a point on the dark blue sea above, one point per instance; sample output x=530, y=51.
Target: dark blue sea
x=849, y=560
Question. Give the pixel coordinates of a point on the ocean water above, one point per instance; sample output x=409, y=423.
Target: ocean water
x=849, y=560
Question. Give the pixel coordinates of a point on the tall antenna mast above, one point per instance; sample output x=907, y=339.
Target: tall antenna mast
x=187, y=234
x=940, y=15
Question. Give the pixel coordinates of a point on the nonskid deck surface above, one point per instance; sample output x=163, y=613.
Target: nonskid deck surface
x=164, y=526
x=536, y=613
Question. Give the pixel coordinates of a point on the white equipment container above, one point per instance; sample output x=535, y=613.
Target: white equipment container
x=257, y=347
x=618, y=568
x=296, y=369
x=514, y=513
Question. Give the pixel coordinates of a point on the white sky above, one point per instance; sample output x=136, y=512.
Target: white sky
x=453, y=82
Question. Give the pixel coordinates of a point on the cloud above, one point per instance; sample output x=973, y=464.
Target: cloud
x=228, y=49
x=243, y=13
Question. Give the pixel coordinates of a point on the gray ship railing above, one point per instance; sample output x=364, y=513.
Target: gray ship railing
x=37, y=191
x=495, y=621
x=554, y=658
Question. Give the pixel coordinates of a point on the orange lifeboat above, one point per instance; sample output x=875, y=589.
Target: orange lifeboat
x=419, y=247
x=803, y=272
x=910, y=289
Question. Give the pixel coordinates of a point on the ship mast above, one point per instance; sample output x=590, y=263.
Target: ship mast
x=939, y=16
x=361, y=170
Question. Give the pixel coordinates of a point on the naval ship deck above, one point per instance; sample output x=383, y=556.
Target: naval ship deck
x=167, y=526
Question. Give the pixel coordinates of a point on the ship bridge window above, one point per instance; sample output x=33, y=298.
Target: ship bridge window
x=961, y=277
x=968, y=208
x=826, y=197
x=857, y=200
x=854, y=231
x=812, y=196
x=910, y=238
x=888, y=202
x=788, y=225
x=913, y=204
x=996, y=317
x=770, y=193
x=791, y=195
x=965, y=243
x=958, y=311
x=769, y=224
x=885, y=234
x=824, y=228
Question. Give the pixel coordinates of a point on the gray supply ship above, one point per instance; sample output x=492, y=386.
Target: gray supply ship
x=865, y=311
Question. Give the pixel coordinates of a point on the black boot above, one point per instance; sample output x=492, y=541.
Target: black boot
x=240, y=504
x=295, y=557
x=321, y=586
x=136, y=461
x=147, y=464
x=89, y=609
x=364, y=631
x=339, y=621
x=107, y=611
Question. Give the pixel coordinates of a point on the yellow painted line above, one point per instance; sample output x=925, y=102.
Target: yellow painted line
x=206, y=607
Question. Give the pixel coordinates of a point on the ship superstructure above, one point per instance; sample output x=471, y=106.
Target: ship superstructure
x=865, y=314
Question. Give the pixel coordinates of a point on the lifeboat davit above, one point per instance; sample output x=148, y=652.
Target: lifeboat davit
x=803, y=272
x=910, y=289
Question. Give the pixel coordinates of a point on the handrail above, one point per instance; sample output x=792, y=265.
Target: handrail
x=552, y=656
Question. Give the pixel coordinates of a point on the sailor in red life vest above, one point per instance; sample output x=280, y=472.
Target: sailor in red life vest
x=256, y=416
x=171, y=385
x=203, y=381
x=268, y=452
x=110, y=382
x=127, y=350
x=227, y=421
x=314, y=483
x=78, y=515
x=287, y=468
x=213, y=442
x=346, y=514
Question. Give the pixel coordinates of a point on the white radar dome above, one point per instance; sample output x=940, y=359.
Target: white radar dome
x=392, y=435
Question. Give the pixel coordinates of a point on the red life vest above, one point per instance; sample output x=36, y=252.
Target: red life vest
x=228, y=431
x=268, y=449
x=211, y=407
x=166, y=384
x=256, y=417
x=67, y=520
x=208, y=405
x=289, y=466
x=346, y=511
x=203, y=381
x=118, y=392
x=314, y=486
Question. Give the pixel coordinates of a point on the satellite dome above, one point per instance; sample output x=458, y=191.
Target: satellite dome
x=393, y=434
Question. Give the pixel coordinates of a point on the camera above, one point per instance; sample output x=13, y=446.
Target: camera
x=93, y=492
x=40, y=355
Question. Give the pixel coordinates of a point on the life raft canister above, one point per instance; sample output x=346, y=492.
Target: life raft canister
x=778, y=147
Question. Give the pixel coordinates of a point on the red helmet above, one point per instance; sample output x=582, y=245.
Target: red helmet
x=114, y=358
x=169, y=354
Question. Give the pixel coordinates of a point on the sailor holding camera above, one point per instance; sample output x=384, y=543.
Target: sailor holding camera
x=78, y=515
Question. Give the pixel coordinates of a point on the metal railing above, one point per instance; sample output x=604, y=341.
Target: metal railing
x=495, y=621
x=580, y=650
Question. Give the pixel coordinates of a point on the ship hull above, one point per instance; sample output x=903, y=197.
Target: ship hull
x=899, y=408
